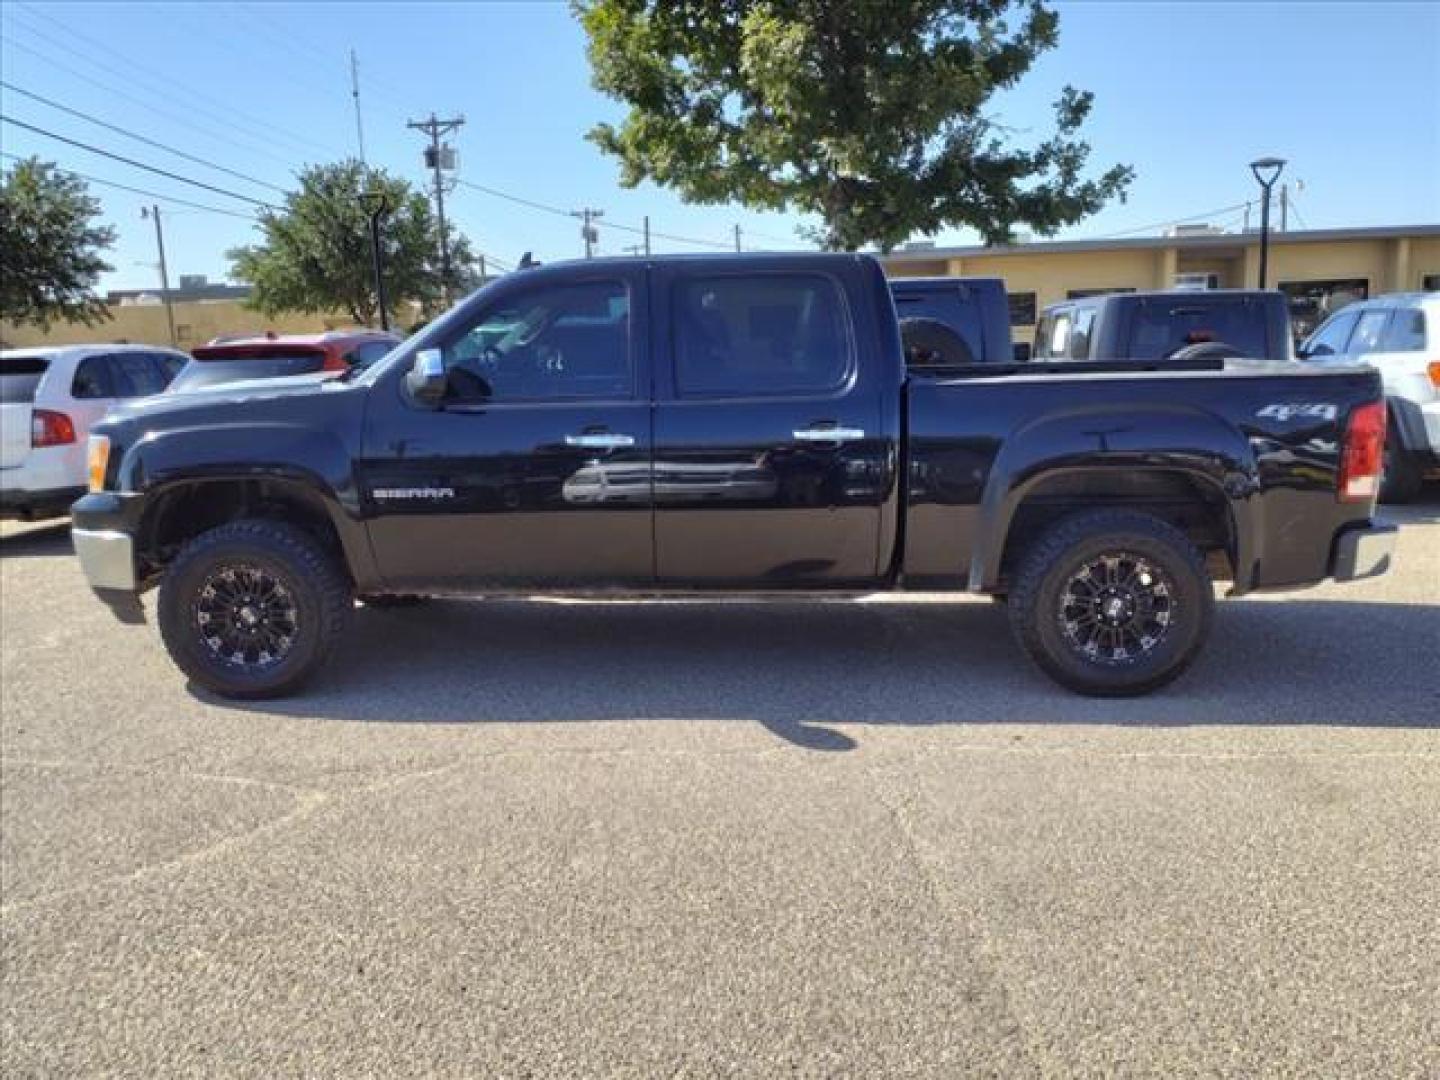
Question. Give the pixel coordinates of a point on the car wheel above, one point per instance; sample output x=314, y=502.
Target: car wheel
x=1112, y=603
x=252, y=609
x=1400, y=475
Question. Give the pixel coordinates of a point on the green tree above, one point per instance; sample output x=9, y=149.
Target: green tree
x=316, y=251
x=871, y=114
x=50, y=247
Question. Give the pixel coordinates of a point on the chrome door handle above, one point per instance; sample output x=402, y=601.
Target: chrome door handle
x=600, y=441
x=829, y=434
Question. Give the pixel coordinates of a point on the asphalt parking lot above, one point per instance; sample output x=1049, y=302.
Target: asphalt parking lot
x=641, y=839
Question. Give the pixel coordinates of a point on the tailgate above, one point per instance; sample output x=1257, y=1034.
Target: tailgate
x=19, y=379
x=14, y=433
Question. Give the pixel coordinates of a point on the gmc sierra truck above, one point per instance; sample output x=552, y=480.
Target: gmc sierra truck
x=741, y=423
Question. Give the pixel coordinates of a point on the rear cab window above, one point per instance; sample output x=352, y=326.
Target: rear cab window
x=957, y=306
x=1161, y=327
x=20, y=378
x=760, y=335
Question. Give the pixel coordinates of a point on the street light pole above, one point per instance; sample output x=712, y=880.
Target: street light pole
x=1266, y=171
x=377, y=205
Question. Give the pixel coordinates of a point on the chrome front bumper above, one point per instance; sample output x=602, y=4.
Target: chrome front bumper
x=1364, y=552
x=107, y=557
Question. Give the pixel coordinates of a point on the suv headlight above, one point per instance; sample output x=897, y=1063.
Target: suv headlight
x=97, y=456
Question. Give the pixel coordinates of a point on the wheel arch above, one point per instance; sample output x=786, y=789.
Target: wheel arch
x=1182, y=464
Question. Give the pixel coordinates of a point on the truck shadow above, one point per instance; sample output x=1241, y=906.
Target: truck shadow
x=1425, y=510
x=797, y=668
x=40, y=540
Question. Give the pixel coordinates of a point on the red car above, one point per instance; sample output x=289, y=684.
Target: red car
x=276, y=355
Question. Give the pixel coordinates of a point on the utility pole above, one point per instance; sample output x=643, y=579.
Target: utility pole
x=737, y=236
x=634, y=249
x=588, y=232
x=483, y=275
x=154, y=212
x=355, y=95
x=438, y=156
x=1284, y=207
x=647, y=236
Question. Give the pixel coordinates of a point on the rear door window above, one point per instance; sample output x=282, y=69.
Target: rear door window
x=20, y=377
x=1080, y=334
x=1406, y=333
x=1161, y=328
x=169, y=365
x=92, y=379
x=1369, y=330
x=761, y=335
x=136, y=375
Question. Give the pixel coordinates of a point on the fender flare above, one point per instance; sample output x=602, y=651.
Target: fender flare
x=311, y=462
x=1178, y=439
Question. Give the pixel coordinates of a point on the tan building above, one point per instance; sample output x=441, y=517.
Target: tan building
x=1322, y=269
x=196, y=322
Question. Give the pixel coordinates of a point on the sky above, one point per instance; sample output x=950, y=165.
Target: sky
x=1186, y=93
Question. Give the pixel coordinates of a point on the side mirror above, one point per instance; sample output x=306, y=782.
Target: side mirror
x=425, y=381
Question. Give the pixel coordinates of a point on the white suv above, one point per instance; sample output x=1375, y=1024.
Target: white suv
x=49, y=398
x=1399, y=335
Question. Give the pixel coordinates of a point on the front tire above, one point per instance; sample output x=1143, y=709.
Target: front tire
x=1112, y=603
x=251, y=609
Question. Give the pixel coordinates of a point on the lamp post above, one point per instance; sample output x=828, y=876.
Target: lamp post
x=377, y=205
x=1267, y=171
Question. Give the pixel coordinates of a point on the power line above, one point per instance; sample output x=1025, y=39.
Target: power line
x=112, y=89
x=141, y=191
x=636, y=229
x=137, y=164
x=140, y=138
x=1174, y=221
x=264, y=130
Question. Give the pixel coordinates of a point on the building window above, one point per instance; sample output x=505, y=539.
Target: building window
x=1081, y=294
x=1022, y=308
x=1312, y=302
x=1430, y=283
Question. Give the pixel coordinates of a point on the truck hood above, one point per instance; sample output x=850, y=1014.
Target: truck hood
x=244, y=398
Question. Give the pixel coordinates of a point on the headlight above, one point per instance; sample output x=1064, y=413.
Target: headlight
x=98, y=460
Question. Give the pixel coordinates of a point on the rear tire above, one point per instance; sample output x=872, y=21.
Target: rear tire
x=1112, y=603
x=253, y=608
x=1401, y=477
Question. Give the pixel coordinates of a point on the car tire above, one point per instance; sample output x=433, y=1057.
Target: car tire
x=1112, y=603
x=1401, y=476
x=253, y=608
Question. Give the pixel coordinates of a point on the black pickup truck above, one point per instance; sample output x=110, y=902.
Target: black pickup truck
x=740, y=423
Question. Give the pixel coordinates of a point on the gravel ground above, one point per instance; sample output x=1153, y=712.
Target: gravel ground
x=638, y=839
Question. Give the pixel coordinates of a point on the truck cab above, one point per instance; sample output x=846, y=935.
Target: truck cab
x=1166, y=325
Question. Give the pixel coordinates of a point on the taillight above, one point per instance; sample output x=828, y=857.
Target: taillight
x=51, y=428
x=1364, y=453
x=1434, y=372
